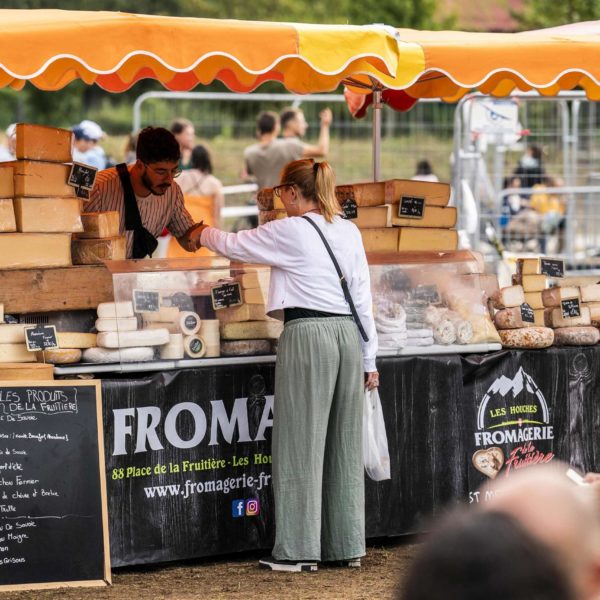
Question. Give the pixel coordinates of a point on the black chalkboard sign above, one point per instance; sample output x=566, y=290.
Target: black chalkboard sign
x=82, y=193
x=53, y=514
x=226, y=295
x=527, y=314
x=82, y=176
x=412, y=207
x=552, y=267
x=145, y=301
x=350, y=209
x=570, y=308
x=41, y=337
x=182, y=300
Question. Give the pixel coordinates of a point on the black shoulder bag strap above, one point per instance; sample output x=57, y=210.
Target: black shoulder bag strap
x=144, y=243
x=343, y=281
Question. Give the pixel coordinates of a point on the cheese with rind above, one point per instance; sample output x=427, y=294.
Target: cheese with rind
x=508, y=297
x=527, y=337
x=590, y=293
x=7, y=216
x=435, y=193
x=26, y=372
x=534, y=283
x=442, y=217
x=255, y=296
x=38, y=142
x=11, y=353
x=381, y=239
x=510, y=318
x=553, y=296
x=245, y=312
x=112, y=310
x=107, y=355
x=535, y=300
x=41, y=179
x=371, y=217
x=423, y=238
x=13, y=333
x=7, y=185
x=576, y=336
x=60, y=356
x=34, y=250
x=87, y=251
x=559, y=321
x=100, y=224
x=245, y=347
x=68, y=339
x=251, y=330
x=364, y=194
x=48, y=215
x=113, y=324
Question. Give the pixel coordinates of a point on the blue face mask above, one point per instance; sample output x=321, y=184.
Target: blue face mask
x=528, y=161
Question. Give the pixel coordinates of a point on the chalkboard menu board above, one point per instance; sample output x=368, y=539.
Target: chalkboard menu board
x=226, y=295
x=411, y=206
x=53, y=516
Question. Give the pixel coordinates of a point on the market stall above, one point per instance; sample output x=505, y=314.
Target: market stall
x=187, y=448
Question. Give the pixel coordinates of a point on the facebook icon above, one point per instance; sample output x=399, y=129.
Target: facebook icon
x=238, y=508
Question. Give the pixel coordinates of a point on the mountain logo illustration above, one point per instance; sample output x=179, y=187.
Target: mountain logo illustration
x=522, y=389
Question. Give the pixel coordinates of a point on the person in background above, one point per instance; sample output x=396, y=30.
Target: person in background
x=129, y=150
x=185, y=134
x=530, y=168
x=7, y=149
x=86, y=149
x=318, y=473
x=293, y=129
x=424, y=172
x=475, y=555
x=264, y=160
x=158, y=199
x=199, y=181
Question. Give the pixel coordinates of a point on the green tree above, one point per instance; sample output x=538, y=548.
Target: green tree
x=538, y=14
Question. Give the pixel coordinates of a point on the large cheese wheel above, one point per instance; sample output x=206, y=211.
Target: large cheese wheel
x=132, y=339
x=26, y=372
x=68, y=339
x=106, y=355
x=251, y=330
x=12, y=333
x=112, y=310
x=245, y=347
x=121, y=324
x=576, y=336
x=527, y=337
x=60, y=356
x=15, y=353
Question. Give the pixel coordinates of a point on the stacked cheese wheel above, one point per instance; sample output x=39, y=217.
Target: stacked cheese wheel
x=514, y=330
x=391, y=328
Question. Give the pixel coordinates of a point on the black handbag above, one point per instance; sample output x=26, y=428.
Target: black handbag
x=144, y=243
x=343, y=281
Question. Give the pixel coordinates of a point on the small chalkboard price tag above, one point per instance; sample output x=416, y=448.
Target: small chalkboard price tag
x=145, y=301
x=41, y=337
x=570, y=308
x=527, y=314
x=82, y=176
x=226, y=295
x=82, y=193
x=552, y=267
x=427, y=293
x=349, y=209
x=411, y=207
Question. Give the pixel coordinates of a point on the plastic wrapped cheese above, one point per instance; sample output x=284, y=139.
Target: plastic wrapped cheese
x=132, y=339
x=112, y=310
x=508, y=297
x=527, y=337
x=108, y=355
x=121, y=324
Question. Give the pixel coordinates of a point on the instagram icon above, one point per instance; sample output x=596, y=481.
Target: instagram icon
x=252, y=507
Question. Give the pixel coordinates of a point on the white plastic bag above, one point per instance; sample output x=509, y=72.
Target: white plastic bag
x=375, y=447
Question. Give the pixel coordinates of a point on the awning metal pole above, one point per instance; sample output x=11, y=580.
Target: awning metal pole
x=377, y=135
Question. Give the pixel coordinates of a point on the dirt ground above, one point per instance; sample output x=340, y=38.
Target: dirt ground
x=240, y=579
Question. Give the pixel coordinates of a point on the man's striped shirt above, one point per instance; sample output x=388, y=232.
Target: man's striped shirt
x=157, y=212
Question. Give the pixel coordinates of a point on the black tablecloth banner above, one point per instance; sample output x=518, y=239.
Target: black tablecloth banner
x=188, y=452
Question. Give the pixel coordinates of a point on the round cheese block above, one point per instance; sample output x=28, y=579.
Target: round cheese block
x=576, y=336
x=189, y=322
x=194, y=346
x=60, y=356
x=527, y=337
x=108, y=355
x=245, y=347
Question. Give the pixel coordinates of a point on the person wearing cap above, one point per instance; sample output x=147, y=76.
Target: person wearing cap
x=86, y=149
x=146, y=195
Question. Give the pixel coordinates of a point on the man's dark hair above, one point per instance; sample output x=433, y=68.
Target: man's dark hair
x=266, y=122
x=475, y=554
x=201, y=159
x=157, y=144
x=287, y=115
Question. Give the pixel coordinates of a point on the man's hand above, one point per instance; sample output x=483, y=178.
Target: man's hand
x=190, y=240
x=371, y=380
x=326, y=117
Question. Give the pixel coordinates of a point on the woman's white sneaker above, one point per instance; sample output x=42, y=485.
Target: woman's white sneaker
x=287, y=566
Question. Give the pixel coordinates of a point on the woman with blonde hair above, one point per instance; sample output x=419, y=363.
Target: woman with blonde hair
x=328, y=342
